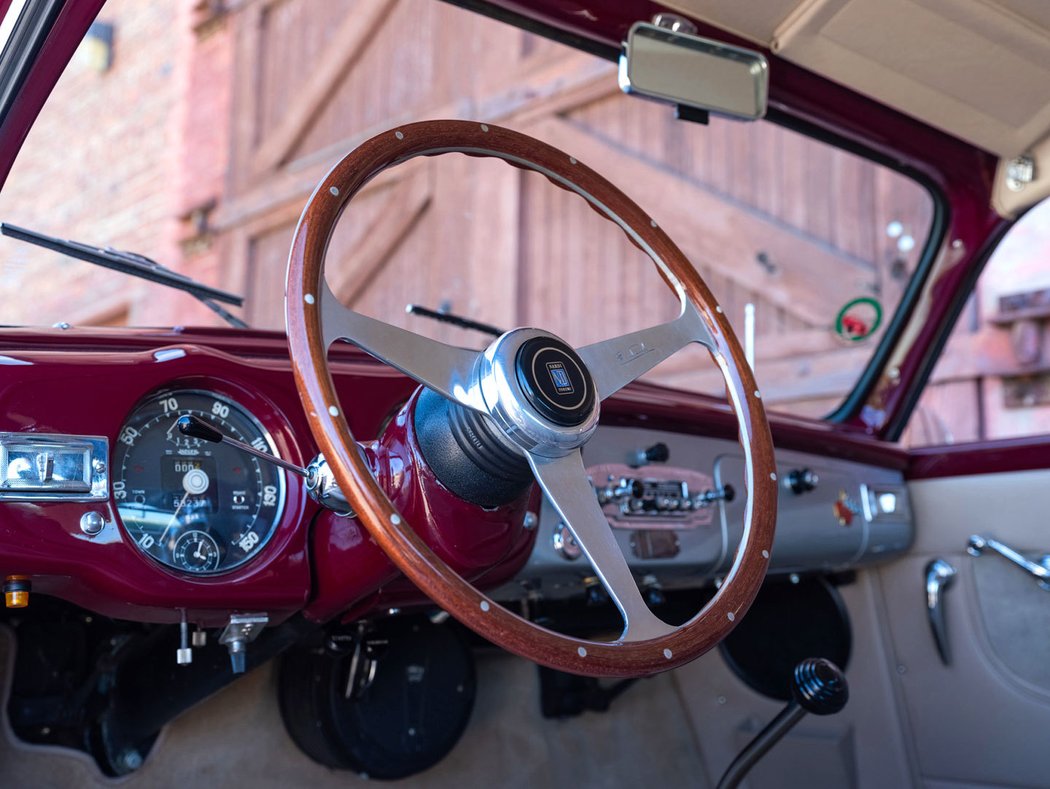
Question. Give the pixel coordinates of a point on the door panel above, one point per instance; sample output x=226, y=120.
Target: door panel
x=984, y=718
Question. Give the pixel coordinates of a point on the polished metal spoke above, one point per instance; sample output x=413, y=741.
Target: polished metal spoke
x=446, y=369
x=616, y=362
x=564, y=480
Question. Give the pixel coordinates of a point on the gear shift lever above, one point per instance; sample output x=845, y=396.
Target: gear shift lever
x=817, y=686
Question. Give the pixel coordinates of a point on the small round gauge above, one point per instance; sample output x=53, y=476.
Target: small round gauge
x=196, y=552
x=192, y=505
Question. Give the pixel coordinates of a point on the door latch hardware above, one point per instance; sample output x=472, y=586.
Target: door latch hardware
x=939, y=577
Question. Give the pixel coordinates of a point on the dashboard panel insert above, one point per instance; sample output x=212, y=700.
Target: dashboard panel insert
x=194, y=506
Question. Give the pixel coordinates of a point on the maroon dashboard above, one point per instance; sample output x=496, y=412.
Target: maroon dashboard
x=118, y=385
x=76, y=383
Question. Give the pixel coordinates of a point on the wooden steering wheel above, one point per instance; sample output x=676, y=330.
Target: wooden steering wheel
x=543, y=398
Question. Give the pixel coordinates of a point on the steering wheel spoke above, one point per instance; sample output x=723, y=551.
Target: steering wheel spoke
x=618, y=361
x=446, y=369
x=564, y=480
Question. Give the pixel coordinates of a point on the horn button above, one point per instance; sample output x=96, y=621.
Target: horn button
x=540, y=391
x=554, y=381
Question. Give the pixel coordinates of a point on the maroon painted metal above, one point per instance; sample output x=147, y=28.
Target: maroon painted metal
x=486, y=545
x=77, y=382
x=91, y=394
x=662, y=408
x=86, y=382
x=70, y=26
x=980, y=457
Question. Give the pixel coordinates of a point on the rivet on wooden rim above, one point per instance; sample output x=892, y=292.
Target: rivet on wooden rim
x=309, y=298
x=758, y=394
x=399, y=135
x=773, y=476
x=718, y=308
x=652, y=222
x=333, y=410
x=395, y=519
x=667, y=654
x=572, y=160
x=582, y=652
x=485, y=605
x=484, y=128
x=334, y=190
x=765, y=554
x=730, y=616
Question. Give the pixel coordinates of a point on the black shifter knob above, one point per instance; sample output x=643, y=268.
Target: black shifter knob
x=819, y=686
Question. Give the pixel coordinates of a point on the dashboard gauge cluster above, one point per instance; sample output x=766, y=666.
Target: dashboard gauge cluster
x=196, y=507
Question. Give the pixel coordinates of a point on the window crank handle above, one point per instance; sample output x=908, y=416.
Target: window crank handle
x=1039, y=570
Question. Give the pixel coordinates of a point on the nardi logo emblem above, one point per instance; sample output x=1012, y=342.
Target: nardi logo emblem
x=560, y=378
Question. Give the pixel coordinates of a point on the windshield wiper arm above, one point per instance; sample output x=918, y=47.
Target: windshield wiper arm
x=135, y=265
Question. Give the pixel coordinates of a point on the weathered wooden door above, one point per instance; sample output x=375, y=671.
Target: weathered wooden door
x=761, y=211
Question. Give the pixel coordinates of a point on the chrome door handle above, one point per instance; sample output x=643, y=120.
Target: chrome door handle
x=939, y=576
x=1039, y=570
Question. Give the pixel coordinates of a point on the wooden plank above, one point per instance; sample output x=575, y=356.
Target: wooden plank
x=983, y=354
x=723, y=236
x=804, y=365
x=398, y=215
x=245, y=99
x=351, y=42
x=585, y=80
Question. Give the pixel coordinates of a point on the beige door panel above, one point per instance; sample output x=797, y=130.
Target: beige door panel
x=984, y=718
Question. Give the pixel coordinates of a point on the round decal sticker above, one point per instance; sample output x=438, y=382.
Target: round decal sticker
x=858, y=319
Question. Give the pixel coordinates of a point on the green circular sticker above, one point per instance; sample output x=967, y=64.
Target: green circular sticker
x=858, y=319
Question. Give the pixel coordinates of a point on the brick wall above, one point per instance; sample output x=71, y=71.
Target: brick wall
x=151, y=131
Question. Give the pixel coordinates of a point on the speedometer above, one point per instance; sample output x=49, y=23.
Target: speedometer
x=194, y=506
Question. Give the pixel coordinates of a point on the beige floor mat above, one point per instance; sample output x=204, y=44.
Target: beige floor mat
x=236, y=739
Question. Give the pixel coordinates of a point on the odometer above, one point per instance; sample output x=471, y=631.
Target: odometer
x=194, y=506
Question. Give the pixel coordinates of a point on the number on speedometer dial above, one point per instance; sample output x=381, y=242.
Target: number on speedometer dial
x=195, y=506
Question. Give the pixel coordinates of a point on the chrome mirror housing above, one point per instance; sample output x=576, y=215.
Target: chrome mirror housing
x=671, y=65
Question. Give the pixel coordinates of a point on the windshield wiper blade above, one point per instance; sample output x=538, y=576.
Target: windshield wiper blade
x=444, y=316
x=134, y=265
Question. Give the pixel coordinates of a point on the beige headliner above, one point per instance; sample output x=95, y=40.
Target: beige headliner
x=979, y=69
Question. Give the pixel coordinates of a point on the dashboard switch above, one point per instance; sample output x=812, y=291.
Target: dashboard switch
x=657, y=453
x=801, y=480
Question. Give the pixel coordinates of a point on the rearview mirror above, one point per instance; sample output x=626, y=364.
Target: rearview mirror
x=680, y=68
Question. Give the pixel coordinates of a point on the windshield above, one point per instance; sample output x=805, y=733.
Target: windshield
x=201, y=153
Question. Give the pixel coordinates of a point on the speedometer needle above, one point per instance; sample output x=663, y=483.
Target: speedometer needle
x=174, y=517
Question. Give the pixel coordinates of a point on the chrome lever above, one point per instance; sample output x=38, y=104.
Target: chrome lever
x=1039, y=570
x=939, y=576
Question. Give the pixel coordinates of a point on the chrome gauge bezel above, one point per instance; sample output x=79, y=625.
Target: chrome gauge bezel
x=119, y=458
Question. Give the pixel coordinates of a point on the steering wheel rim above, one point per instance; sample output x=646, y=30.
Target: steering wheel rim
x=308, y=300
